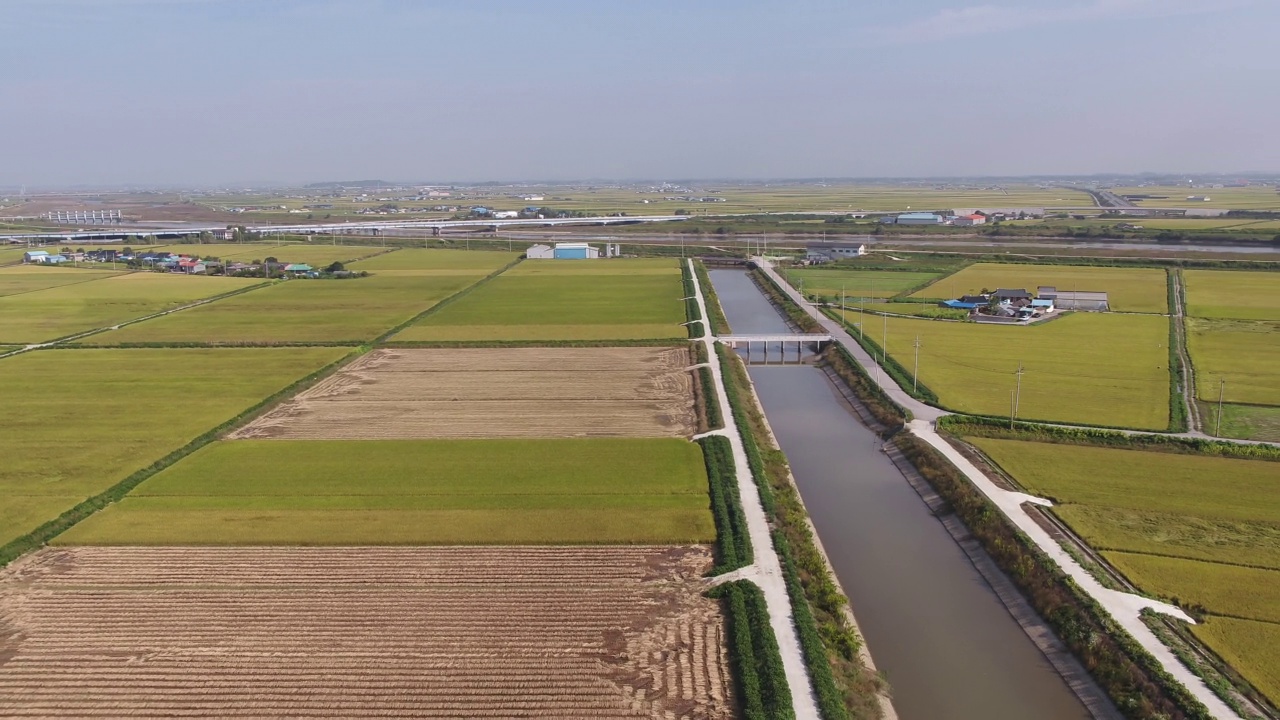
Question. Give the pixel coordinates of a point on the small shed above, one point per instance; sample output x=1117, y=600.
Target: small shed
x=31, y=256
x=298, y=268
x=539, y=252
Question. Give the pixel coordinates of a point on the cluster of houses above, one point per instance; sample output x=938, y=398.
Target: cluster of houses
x=1019, y=305
x=168, y=262
x=963, y=217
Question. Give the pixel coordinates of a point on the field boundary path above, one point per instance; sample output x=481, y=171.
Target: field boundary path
x=1125, y=608
x=766, y=571
x=1196, y=424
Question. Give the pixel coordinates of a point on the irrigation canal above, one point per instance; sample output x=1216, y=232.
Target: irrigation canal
x=947, y=645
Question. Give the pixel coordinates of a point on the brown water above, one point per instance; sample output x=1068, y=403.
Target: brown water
x=947, y=645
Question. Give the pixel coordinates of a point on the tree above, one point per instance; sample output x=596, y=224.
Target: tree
x=126, y=250
x=335, y=267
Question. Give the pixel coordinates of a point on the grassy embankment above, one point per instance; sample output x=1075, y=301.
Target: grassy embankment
x=143, y=405
x=1233, y=335
x=336, y=492
x=565, y=301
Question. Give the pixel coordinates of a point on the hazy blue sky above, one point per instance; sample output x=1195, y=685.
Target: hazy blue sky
x=235, y=91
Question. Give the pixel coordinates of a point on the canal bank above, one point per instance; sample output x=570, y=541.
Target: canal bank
x=935, y=627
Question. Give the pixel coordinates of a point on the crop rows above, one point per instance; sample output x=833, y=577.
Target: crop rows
x=613, y=632
x=508, y=392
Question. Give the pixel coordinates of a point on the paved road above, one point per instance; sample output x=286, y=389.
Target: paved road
x=1124, y=607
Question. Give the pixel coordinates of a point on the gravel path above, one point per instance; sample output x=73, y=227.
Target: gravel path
x=1122, y=606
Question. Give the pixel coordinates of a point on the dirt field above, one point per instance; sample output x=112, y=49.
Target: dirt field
x=494, y=393
x=362, y=632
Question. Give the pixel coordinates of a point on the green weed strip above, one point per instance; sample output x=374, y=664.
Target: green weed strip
x=429, y=492
x=1200, y=530
x=845, y=688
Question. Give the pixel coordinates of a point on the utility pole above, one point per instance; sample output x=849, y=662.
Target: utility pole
x=1012, y=402
x=842, y=323
x=1222, y=388
x=916, y=372
x=1017, y=398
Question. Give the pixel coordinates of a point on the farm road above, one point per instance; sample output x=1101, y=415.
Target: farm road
x=1124, y=607
x=766, y=572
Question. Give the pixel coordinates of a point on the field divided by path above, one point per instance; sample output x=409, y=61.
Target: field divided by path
x=55, y=312
x=1091, y=368
x=427, y=492
x=1129, y=289
x=363, y=632
x=830, y=282
x=498, y=392
x=1202, y=530
x=627, y=299
x=76, y=422
x=318, y=311
x=19, y=279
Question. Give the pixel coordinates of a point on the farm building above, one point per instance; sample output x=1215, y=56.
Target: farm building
x=968, y=220
x=917, y=219
x=563, y=251
x=828, y=253
x=32, y=256
x=1076, y=299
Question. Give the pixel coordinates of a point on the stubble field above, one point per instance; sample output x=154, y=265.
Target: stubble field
x=500, y=392
x=363, y=632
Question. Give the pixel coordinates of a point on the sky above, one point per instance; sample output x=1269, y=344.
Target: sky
x=235, y=92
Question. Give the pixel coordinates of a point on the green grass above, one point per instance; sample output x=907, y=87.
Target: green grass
x=1128, y=289
x=417, y=491
x=1235, y=198
x=45, y=315
x=1244, y=354
x=565, y=300
x=19, y=279
x=856, y=283
x=1233, y=294
x=1092, y=368
x=77, y=422
x=1201, y=530
x=351, y=310
x=1200, y=486
x=1249, y=647
x=1250, y=422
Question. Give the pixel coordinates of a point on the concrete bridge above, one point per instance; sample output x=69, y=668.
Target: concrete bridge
x=781, y=340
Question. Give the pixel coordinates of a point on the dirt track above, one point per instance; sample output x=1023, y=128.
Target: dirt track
x=362, y=632
x=504, y=392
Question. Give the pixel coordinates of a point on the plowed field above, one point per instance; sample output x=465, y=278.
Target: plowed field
x=494, y=393
x=362, y=632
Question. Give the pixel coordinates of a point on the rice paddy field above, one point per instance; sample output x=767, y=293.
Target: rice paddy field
x=423, y=492
x=293, y=311
x=1234, y=198
x=1233, y=294
x=856, y=283
x=627, y=299
x=1091, y=368
x=1246, y=355
x=55, y=312
x=20, y=279
x=1129, y=289
x=315, y=254
x=77, y=422
x=1202, y=530
x=485, y=632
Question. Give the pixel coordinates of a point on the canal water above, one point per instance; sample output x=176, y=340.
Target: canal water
x=947, y=645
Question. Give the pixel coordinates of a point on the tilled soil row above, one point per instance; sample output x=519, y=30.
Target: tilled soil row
x=362, y=632
x=494, y=393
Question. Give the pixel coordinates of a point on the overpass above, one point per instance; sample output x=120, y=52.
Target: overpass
x=373, y=227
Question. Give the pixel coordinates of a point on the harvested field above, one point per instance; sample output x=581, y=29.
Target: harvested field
x=362, y=632
x=494, y=393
